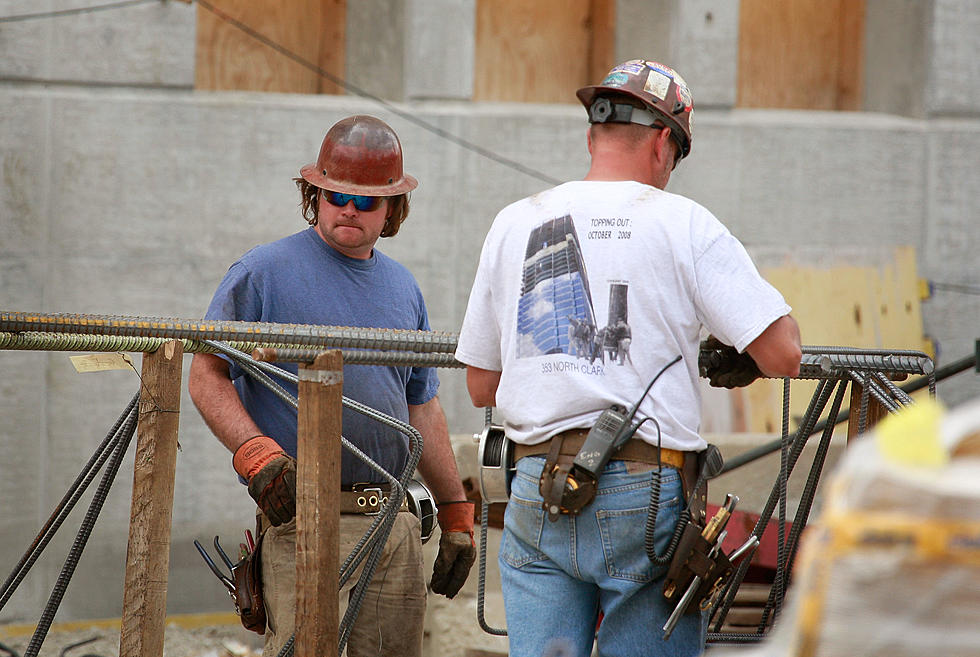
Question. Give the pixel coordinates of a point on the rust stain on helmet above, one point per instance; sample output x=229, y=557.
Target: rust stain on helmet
x=360, y=155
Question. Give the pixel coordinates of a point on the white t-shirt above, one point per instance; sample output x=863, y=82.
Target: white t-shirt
x=586, y=290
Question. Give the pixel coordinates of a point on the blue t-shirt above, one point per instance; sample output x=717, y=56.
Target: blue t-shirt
x=300, y=279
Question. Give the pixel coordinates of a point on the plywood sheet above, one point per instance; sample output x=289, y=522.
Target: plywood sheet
x=228, y=57
x=541, y=51
x=801, y=54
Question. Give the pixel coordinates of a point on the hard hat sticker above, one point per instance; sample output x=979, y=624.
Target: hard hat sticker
x=615, y=80
x=683, y=94
x=657, y=84
x=662, y=68
x=633, y=67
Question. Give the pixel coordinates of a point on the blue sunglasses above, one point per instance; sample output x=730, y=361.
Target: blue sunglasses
x=362, y=203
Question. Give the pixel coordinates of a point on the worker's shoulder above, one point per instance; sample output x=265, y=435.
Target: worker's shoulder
x=290, y=245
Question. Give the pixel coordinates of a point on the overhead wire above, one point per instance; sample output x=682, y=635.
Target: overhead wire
x=58, y=13
x=962, y=288
x=425, y=125
x=348, y=86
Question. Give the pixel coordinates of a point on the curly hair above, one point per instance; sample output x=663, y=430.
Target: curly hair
x=397, y=207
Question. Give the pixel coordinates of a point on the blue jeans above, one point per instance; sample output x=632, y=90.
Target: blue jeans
x=557, y=576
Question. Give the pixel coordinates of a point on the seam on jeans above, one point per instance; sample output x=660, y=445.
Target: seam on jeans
x=572, y=525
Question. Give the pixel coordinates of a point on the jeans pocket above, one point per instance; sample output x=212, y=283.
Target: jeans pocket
x=523, y=524
x=621, y=531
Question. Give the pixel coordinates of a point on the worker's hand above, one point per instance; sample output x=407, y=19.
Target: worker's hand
x=271, y=477
x=457, y=551
x=725, y=367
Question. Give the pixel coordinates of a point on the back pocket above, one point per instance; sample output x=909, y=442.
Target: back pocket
x=622, y=543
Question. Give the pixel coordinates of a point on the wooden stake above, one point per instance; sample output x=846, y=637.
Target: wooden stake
x=317, y=511
x=148, y=554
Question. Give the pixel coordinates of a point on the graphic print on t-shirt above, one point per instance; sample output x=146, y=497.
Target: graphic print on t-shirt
x=555, y=314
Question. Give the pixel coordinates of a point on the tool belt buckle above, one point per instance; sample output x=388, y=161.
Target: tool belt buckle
x=369, y=499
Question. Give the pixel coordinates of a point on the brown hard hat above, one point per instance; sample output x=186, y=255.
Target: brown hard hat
x=360, y=155
x=658, y=87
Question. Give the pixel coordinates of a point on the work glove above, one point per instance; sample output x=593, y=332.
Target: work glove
x=724, y=367
x=457, y=551
x=271, y=477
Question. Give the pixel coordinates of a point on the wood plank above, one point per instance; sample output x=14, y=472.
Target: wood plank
x=333, y=44
x=229, y=58
x=602, y=40
x=850, y=56
x=317, y=512
x=148, y=552
x=541, y=51
x=804, y=54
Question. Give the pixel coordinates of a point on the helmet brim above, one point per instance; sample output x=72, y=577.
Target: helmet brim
x=315, y=176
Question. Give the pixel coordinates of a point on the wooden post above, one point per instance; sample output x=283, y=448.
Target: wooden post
x=875, y=411
x=317, y=511
x=148, y=554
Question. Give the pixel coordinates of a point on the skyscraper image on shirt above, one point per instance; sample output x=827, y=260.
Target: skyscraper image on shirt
x=555, y=299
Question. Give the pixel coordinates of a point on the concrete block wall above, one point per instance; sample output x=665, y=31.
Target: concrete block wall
x=130, y=194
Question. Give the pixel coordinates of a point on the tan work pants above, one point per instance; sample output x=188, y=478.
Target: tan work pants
x=391, y=616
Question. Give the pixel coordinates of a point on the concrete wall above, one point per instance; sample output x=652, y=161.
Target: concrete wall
x=130, y=194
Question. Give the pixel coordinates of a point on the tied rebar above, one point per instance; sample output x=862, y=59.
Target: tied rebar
x=46, y=341
x=335, y=337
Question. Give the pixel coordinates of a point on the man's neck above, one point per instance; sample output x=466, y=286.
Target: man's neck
x=617, y=173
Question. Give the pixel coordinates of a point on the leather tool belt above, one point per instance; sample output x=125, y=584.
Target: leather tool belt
x=367, y=499
x=566, y=491
x=633, y=450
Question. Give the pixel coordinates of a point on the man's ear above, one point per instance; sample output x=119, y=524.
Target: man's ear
x=665, y=147
x=588, y=138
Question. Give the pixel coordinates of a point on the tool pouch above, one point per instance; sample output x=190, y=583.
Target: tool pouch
x=247, y=576
x=561, y=490
x=693, y=557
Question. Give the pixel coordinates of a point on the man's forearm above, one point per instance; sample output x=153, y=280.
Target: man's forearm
x=438, y=464
x=218, y=402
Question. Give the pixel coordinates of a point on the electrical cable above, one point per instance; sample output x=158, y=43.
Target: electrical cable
x=962, y=288
x=340, y=82
x=74, y=12
x=654, y=507
x=407, y=116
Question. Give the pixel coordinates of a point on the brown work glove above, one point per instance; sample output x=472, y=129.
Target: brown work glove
x=457, y=551
x=724, y=367
x=271, y=477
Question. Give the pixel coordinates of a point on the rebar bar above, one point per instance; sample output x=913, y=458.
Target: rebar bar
x=43, y=341
x=359, y=357
x=47, y=341
x=228, y=331
x=885, y=362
